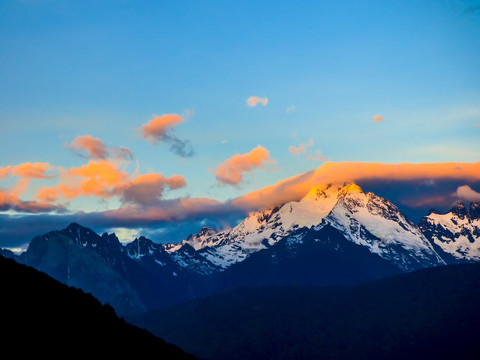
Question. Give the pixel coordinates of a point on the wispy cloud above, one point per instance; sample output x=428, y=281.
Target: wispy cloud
x=302, y=148
x=160, y=129
x=378, y=118
x=231, y=171
x=291, y=108
x=88, y=147
x=255, y=100
x=317, y=156
x=29, y=170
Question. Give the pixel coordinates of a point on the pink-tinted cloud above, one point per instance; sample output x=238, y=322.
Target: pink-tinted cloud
x=255, y=100
x=466, y=193
x=160, y=129
x=378, y=118
x=232, y=170
x=302, y=148
x=28, y=170
x=93, y=147
x=148, y=189
x=317, y=156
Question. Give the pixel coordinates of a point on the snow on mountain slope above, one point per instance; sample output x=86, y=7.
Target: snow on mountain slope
x=264, y=228
x=185, y=257
x=457, y=232
x=374, y=222
x=365, y=219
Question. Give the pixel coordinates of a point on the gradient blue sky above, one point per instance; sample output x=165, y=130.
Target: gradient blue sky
x=104, y=68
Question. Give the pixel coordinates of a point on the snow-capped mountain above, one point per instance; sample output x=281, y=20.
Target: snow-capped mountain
x=363, y=218
x=374, y=222
x=262, y=229
x=335, y=235
x=456, y=232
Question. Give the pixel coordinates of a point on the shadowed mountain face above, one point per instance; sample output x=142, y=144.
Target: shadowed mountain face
x=309, y=257
x=431, y=313
x=42, y=318
x=134, y=278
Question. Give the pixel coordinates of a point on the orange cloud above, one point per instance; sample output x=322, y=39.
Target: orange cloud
x=98, y=178
x=95, y=147
x=29, y=170
x=10, y=200
x=157, y=129
x=103, y=179
x=255, y=100
x=147, y=189
x=296, y=187
x=301, y=148
x=377, y=118
x=231, y=171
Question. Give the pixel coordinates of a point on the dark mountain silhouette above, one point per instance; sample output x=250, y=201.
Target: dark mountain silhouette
x=427, y=314
x=134, y=278
x=42, y=318
x=308, y=257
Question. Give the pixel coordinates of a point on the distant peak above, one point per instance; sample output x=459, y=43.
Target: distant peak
x=205, y=230
x=474, y=210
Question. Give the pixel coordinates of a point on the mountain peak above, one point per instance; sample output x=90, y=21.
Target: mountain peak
x=74, y=226
x=318, y=192
x=460, y=210
x=351, y=188
x=206, y=230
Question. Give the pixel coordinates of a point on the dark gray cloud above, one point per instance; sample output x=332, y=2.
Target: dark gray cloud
x=182, y=148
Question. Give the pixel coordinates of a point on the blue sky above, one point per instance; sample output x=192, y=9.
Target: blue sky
x=105, y=68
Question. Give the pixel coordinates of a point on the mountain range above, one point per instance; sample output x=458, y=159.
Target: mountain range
x=335, y=235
